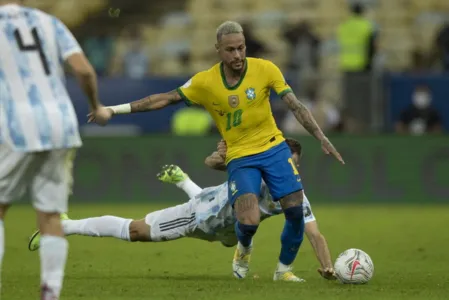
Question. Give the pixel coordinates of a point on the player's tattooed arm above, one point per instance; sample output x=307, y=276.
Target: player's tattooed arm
x=303, y=115
x=156, y=101
x=215, y=161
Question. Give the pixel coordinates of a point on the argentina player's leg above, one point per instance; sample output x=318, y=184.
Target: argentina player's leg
x=163, y=225
x=283, y=180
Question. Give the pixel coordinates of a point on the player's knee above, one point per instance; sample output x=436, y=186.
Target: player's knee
x=292, y=200
x=247, y=209
x=139, y=231
x=249, y=219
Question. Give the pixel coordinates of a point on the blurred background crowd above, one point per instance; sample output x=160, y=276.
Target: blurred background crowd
x=366, y=66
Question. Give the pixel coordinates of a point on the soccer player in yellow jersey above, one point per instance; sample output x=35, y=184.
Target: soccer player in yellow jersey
x=236, y=94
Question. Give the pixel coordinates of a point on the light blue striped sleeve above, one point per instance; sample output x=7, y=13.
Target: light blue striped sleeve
x=67, y=44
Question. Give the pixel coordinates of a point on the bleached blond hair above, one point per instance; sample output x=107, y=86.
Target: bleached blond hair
x=228, y=27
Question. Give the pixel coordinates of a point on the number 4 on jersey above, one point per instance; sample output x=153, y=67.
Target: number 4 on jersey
x=37, y=46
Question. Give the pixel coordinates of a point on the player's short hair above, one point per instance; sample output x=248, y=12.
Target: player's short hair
x=228, y=27
x=295, y=146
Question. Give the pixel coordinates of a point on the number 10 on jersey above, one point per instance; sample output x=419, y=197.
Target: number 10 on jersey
x=233, y=119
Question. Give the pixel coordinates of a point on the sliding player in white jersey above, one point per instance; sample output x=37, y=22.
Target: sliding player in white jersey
x=38, y=125
x=207, y=216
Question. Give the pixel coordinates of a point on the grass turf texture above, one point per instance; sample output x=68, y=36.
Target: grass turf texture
x=409, y=246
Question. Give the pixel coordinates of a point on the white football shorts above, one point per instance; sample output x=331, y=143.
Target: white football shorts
x=307, y=210
x=172, y=223
x=46, y=176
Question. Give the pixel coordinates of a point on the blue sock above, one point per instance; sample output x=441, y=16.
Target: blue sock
x=292, y=235
x=245, y=233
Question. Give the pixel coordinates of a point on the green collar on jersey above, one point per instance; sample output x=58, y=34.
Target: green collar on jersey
x=223, y=77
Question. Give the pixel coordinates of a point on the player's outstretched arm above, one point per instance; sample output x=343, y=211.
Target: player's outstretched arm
x=156, y=101
x=305, y=118
x=152, y=102
x=215, y=161
x=319, y=245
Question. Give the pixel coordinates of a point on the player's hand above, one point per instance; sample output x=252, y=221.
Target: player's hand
x=328, y=148
x=101, y=115
x=327, y=273
x=222, y=148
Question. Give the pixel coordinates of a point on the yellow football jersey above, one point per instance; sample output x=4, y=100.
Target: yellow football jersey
x=242, y=112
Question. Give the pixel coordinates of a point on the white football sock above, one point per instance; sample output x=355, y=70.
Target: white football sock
x=190, y=187
x=105, y=226
x=2, y=247
x=53, y=252
x=282, y=268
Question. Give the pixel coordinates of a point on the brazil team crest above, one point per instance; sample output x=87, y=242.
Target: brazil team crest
x=250, y=93
x=233, y=187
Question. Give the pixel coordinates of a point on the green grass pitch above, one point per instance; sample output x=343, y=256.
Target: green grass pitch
x=409, y=246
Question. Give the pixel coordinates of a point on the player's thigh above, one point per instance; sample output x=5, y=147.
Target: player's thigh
x=280, y=173
x=171, y=223
x=244, y=177
x=50, y=187
x=16, y=171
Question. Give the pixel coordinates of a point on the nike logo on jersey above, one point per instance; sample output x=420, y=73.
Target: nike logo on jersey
x=213, y=103
x=220, y=112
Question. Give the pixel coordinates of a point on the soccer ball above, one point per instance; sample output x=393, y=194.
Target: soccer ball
x=354, y=266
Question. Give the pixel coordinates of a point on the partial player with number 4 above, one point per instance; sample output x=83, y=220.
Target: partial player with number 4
x=38, y=125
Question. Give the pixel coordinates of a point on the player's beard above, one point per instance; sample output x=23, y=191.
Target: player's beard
x=237, y=66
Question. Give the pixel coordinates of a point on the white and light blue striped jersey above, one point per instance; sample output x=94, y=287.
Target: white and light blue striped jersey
x=36, y=113
x=215, y=216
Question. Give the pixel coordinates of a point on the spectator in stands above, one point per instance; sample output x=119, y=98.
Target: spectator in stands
x=99, y=49
x=420, y=117
x=303, y=60
x=357, y=40
x=442, y=46
x=326, y=115
x=254, y=47
x=135, y=59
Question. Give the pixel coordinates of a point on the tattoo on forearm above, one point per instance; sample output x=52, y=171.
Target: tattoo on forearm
x=155, y=101
x=303, y=115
